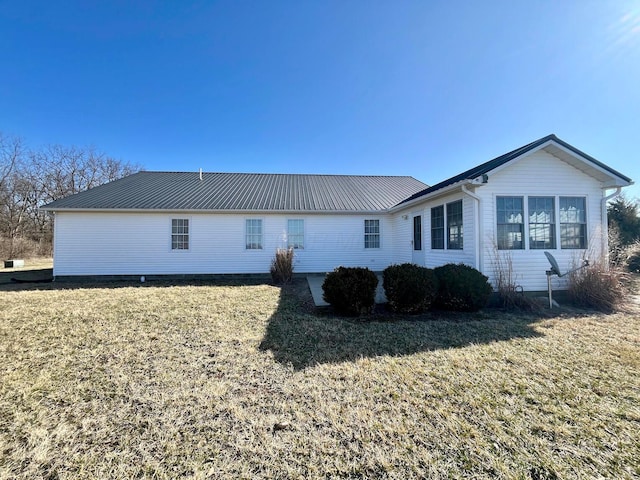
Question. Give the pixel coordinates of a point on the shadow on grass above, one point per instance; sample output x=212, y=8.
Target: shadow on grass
x=299, y=335
x=42, y=279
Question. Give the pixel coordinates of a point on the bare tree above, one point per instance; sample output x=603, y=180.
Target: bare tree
x=32, y=178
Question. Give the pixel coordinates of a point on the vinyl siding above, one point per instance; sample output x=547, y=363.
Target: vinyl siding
x=539, y=174
x=140, y=243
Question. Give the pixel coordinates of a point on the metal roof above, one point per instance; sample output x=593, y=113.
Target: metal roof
x=487, y=167
x=244, y=192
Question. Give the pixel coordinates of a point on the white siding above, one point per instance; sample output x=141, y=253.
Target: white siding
x=140, y=244
x=539, y=174
x=436, y=258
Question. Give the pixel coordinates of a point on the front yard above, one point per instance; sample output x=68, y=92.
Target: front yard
x=200, y=381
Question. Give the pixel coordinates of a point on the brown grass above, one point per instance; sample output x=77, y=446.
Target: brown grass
x=202, y=381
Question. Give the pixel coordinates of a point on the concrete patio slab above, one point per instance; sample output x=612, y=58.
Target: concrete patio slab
x=315, y=285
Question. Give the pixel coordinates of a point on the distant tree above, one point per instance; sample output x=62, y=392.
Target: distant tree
x=32, y=178
x=624, y=218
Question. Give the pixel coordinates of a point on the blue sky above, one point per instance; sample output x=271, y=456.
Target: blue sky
x=427, y=88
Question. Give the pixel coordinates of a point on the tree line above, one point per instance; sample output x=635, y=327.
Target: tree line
x=31, y=178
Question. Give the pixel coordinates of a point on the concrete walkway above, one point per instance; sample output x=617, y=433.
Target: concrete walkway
x=315, y=285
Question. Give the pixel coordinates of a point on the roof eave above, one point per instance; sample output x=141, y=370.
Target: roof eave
x=218, y=211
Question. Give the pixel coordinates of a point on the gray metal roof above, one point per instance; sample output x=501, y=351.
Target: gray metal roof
x=244, y=192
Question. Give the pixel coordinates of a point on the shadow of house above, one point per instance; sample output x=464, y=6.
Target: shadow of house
x=301, y=336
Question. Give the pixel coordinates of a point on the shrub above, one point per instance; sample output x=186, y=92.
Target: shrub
x=597, y=287
x=409, y=288
x=282, y=265
x=510, y=295
x=632, y=258
x=351, y=290
x=461, y=288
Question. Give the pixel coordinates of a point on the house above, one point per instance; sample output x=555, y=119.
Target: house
x=544, y=196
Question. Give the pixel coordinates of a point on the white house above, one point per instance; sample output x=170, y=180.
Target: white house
x=545, y=196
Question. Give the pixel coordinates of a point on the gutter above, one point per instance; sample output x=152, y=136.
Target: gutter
x=605, y=223
x=476, y=228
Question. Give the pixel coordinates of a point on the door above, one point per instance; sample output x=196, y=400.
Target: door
x=418, y=256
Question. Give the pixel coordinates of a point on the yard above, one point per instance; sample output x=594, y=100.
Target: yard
x=199, y=381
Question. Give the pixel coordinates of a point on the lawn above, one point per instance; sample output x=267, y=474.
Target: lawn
x=203, y=381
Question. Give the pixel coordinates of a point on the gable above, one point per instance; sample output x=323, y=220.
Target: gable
x=607, y=176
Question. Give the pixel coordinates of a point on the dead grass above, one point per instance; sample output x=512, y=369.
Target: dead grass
x=200, y=381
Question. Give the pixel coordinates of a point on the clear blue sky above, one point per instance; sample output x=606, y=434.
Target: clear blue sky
x=425, y=88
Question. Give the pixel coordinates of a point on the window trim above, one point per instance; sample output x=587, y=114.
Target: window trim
x=523, y=225
x=460, y=234
x=552, y=224
x=585, y=223
x=246, y=233
x=378, y=234
x=557, y=244
x=304, y=237
x=443, y=228
x=188, y=234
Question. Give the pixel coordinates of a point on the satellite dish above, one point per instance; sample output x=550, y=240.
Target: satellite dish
x=555, y=268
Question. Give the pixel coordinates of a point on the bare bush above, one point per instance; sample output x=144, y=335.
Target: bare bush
x=282, y=265
x=510, y=295
x=598, y=287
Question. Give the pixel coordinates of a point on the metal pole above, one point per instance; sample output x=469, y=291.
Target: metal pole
x=549, y=290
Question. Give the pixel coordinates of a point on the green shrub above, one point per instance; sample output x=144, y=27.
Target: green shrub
x=351, y=290
x=597, y=287
x=282, y=265
x=461, y=288
x=409, y=288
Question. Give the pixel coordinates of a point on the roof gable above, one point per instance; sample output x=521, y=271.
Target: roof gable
x=161, y=191
x=553, y=145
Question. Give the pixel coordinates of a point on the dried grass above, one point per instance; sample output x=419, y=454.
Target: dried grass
x=199, y=381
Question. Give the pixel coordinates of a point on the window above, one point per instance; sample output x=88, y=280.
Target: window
x=417, y=232
x=510, y=219
x=372, y=234
x=454, y=225
x=295, y=234
x=437, y=228
x=180, y=234
x=253, y=234
x=541, y=223
x=573, y=222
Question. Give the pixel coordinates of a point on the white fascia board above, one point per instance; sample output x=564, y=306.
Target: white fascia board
x=430, y=196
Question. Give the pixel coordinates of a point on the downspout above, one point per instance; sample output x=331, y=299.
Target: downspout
x=605, y=224
x=476, y=226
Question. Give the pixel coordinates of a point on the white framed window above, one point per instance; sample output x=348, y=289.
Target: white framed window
x=548, y=217
x=179, y=234
x=573, y=222
x=454, y=226
x=372, y=233
x=542, y=228
x=510, y=223
x=253, y=234
x=295, y=234
x=437, y=228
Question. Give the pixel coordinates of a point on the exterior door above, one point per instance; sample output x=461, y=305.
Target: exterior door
x=417, y=242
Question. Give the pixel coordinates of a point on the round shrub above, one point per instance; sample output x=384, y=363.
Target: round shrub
x=350, y=290
x=461, y=288
x=409, y=288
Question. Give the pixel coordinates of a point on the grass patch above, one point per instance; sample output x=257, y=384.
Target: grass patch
x=206, y=381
